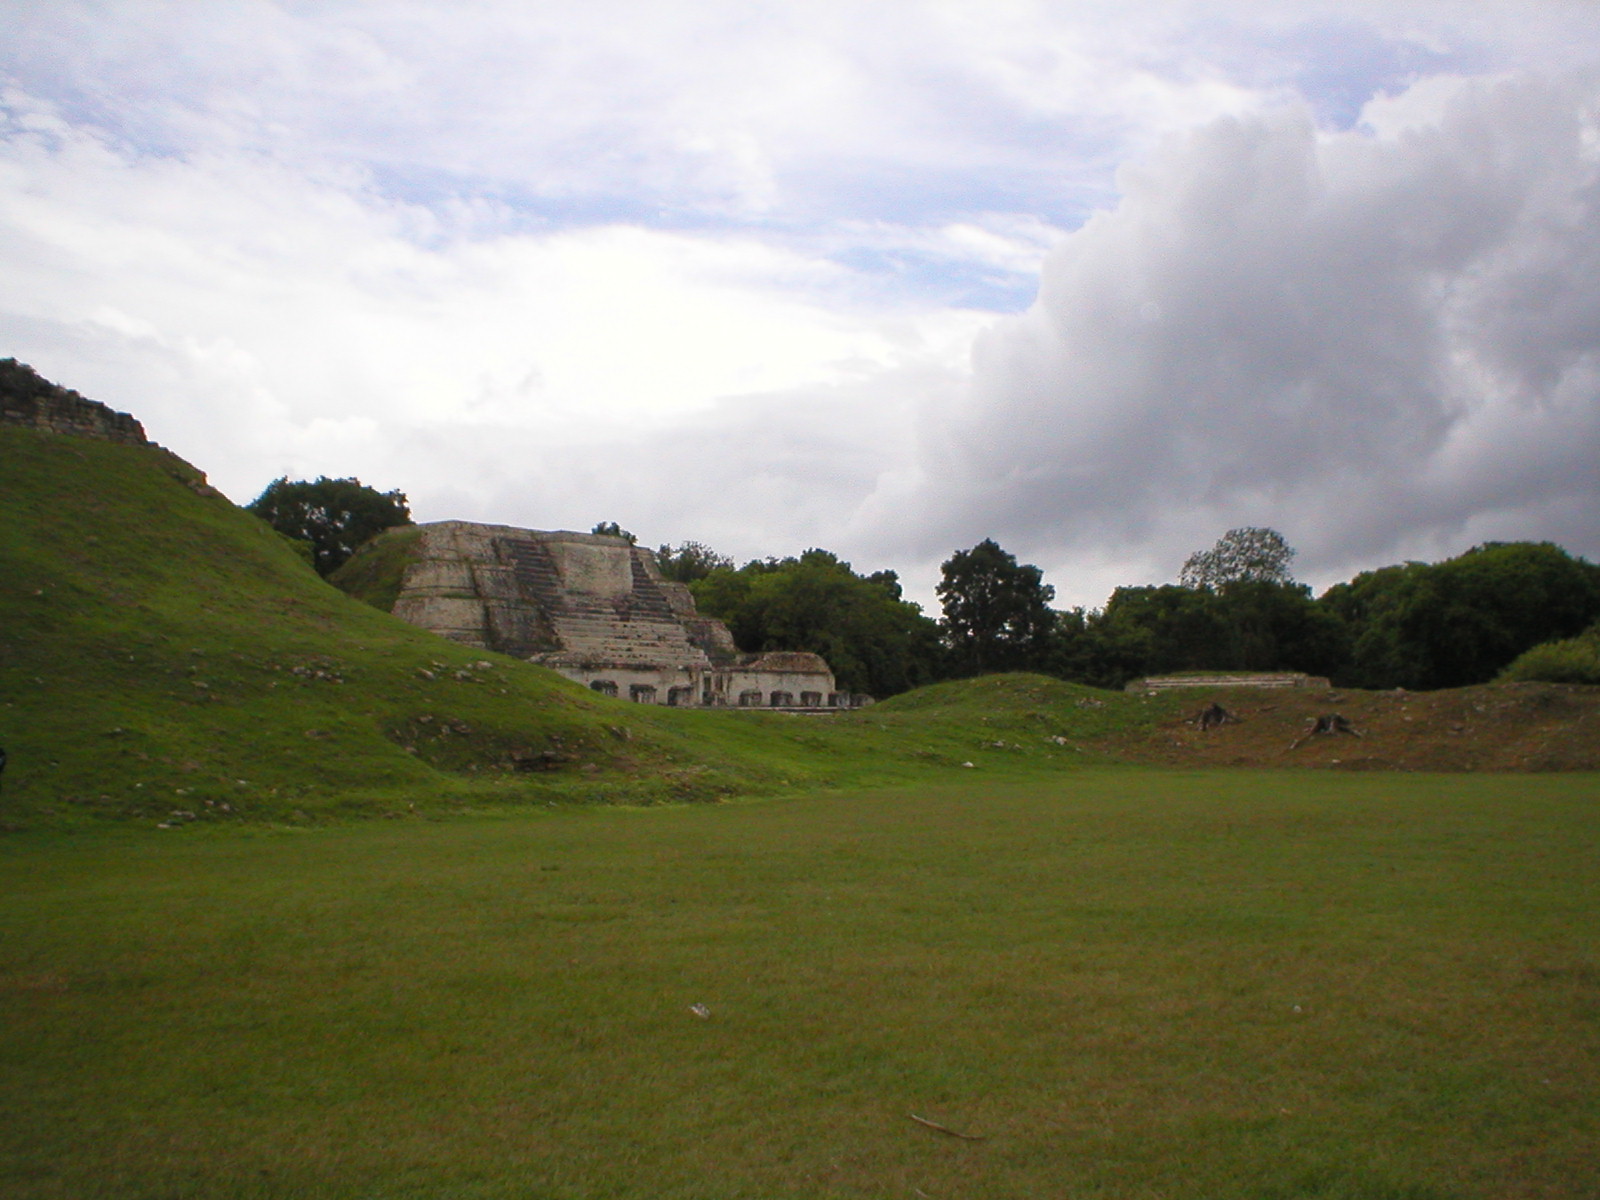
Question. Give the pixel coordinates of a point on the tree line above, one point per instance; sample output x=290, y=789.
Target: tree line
x=1235, y=607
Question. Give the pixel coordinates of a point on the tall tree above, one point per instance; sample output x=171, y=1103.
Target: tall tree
x=1461, y=621
x=335, y=515
x=1243, y=626
x=690, y=561
x=1245, y=555
x=875, y=641
x=997, y=614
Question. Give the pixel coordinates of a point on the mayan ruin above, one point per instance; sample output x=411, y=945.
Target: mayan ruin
x=597, y=610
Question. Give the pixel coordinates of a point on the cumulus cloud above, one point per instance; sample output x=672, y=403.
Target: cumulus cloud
x=1382, y=341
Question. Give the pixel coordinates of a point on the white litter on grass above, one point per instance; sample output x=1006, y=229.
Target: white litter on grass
x=701, y=1011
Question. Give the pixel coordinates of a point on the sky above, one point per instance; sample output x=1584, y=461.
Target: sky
x=1098, y=281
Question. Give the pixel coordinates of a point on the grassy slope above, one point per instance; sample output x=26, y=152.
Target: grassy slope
x=161, y=646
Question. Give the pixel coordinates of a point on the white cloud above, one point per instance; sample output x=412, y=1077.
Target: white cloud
x=1376, y=343
x=260, y=320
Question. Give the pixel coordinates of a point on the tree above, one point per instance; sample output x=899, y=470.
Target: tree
x=1461, y=621
x=335, y=515
x=1243, y=626
x=1246, y=555
x=875, y=641
x=1155, y=630
x=612, y=529
x=1567, y=660
x=690, y=561
x=997, y=614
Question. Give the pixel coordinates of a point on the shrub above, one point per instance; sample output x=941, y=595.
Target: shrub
x=1572, y=660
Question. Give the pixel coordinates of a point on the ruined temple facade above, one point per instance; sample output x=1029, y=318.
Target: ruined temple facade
x=597, y=610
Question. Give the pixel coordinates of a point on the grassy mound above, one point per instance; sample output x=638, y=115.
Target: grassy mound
x=169, y=659
x=374, y=573
x=167, y=653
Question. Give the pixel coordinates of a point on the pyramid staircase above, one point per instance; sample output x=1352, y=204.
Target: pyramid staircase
x=639, y=627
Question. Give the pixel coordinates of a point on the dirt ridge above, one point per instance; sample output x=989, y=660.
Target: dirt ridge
x=1494, y=727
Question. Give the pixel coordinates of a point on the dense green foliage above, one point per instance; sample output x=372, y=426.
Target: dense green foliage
x=1418, y=626
x=1236, y=609
x=335, y=515
x=1240, y=626
x=997, y=614
x=877, y=642
x=1566, y=660
x=1463, y=620
x=690, y=561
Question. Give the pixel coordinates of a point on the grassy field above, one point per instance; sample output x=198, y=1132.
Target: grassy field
x=1126, y=983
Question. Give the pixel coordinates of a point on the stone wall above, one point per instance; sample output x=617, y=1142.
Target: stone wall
x=786, y=679
x=1265, y=679
x=28, y=399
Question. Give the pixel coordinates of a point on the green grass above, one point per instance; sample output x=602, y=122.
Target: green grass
x=375, y=573
x=1129, y=983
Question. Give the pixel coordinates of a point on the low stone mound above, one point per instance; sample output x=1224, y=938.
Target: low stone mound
x=1227, y=679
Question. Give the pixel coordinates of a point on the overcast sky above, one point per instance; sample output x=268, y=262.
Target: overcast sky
x=1098, y=281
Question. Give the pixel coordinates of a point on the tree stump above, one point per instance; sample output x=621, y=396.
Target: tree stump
x=1327, y=724
x=1211, y=716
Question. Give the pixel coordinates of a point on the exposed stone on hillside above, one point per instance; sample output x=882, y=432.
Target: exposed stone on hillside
x=27, y=398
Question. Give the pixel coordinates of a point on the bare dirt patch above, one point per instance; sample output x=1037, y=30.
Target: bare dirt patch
x=1497, y=727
